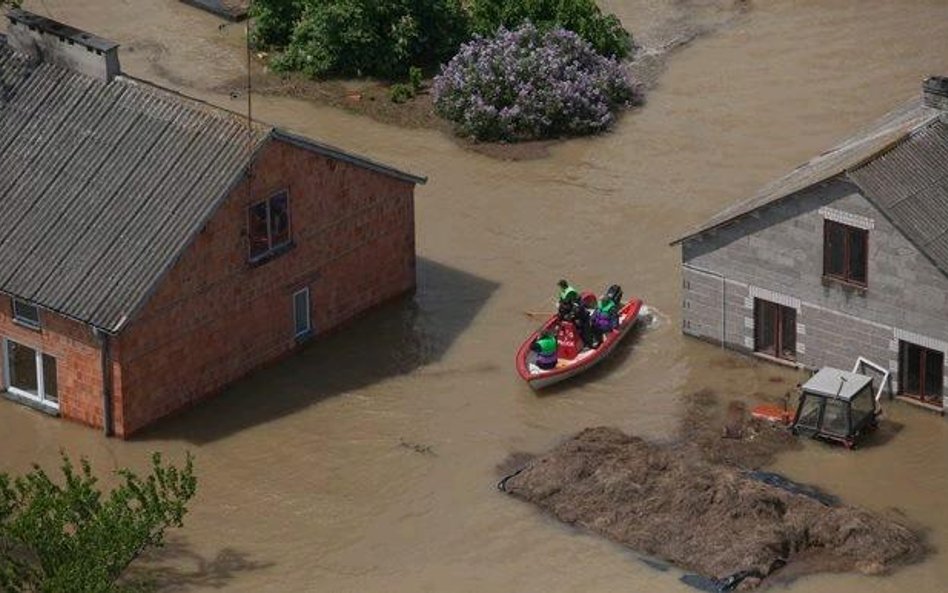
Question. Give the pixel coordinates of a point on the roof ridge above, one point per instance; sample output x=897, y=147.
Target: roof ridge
x=890, y=146
x=859, y=148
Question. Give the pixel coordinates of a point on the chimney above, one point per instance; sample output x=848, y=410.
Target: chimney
x=46, y=40
x=935, y=92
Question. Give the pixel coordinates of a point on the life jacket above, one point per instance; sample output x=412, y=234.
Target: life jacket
x=547, y=345
x=607, y=307
x=606, y=317
x=568, y=294
x=546, y=352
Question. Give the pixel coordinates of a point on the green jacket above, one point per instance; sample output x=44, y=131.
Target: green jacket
x=568, y=293
x=547, y=345
x=608, y=307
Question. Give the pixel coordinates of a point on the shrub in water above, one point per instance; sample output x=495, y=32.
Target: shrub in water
x=524, y=84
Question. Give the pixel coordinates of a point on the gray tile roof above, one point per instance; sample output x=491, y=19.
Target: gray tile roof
x=909, y=184
x=102, y=186
x=858, y=149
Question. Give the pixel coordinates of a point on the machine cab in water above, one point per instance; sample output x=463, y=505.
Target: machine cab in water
x=836, y=405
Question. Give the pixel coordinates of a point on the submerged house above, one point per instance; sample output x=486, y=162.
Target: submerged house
x=845, y=256
x=154, y=248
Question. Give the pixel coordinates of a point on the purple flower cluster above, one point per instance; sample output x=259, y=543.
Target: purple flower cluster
x=527, y=84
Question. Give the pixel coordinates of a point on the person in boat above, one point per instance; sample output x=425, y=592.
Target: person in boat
x=545, y=346
x=568, y=297
x=606, y=316
x=584, y=327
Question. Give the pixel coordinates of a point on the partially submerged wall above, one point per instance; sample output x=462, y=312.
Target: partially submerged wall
x=215, y=317
x=776, y=254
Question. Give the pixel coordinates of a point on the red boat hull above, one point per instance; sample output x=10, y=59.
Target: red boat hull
x=538, y=378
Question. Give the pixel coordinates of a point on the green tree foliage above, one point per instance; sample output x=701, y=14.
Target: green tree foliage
x=274, y=21
x=583, y=17
x=71, y=538
x=10, y=3
x=360, y=37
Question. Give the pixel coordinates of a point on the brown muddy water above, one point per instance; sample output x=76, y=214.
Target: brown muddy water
x=367, y=462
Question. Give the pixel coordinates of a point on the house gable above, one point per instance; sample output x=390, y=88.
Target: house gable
x=778, y=250
x=215, y=315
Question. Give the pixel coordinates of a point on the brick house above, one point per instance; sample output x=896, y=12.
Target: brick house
x=154, y=248
x=845, y=256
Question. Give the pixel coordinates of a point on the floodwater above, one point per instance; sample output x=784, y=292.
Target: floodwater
x=367, y=462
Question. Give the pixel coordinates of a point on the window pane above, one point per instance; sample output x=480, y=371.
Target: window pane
x=862, y=406
x=25, y=312
x=765, y=328
x=50, y=385
x=810, y=412
x=22, y=364
x=857, y=254
x=279, y=219
x=788, y=333
x=934, y=362
x=833, y=244
x=836, y=417
x=909, y=369
x=259, y=237
x=301, y=312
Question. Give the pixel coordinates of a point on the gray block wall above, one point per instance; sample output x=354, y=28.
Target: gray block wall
x=776, y=253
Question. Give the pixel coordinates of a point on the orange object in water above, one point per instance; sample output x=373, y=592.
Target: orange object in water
x=772, y=414
x=567, y=341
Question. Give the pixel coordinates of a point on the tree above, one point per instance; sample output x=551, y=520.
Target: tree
x=10, y=3
x=360, y=37
x=65, y=538
x=584, y=17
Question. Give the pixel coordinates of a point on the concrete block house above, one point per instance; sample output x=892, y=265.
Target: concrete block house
x=154, y=248
x=845, y=256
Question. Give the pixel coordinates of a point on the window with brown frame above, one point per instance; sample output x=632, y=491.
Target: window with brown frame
x=269, y=225
x=845, y=253
x=921, y=372
x=775, y=330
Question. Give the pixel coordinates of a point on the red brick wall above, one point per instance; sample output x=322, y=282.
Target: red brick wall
x=214, y=317
x=78, y=360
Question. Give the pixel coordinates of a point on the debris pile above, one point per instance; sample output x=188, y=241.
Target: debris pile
x=680, y=504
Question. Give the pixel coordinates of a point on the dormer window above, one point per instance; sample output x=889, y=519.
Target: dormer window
x=26, y=314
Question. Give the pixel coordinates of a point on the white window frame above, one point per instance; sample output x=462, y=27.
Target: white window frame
x=40, y=396
x=309, y=314
x=37, y=324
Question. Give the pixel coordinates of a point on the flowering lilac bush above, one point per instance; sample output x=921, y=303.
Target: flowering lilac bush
x=523, y=85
